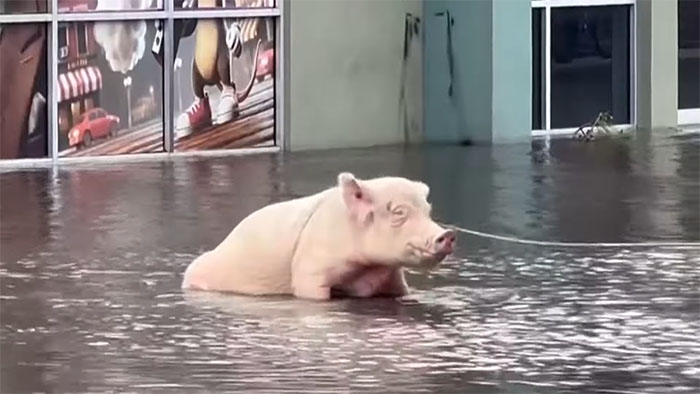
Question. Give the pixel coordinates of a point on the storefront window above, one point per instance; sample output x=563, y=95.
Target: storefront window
x=109, y=89
x=689, y=54
x=590, y=61
x=581, y=63
x=107, y=95
x=23, y=96
x=224, y=89
x=537, y=69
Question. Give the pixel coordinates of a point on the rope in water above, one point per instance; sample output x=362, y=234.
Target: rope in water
x=572, y=244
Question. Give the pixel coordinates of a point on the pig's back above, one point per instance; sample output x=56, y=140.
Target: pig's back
x=255, y=258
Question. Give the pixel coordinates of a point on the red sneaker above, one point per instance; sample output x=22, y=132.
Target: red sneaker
x=198, y=115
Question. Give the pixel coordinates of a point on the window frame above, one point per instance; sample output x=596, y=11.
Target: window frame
x=546, y=76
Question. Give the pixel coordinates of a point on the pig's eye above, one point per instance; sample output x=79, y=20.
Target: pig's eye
x=399, y=214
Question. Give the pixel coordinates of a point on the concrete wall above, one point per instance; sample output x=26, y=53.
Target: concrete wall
x=657, y=63
x=467, y=113
x=511, y=114
x=491, y=100
x=345, y=61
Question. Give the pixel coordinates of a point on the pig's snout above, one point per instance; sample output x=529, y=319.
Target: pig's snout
x=444, y=243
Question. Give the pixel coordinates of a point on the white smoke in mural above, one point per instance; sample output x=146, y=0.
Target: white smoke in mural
x=123, y=42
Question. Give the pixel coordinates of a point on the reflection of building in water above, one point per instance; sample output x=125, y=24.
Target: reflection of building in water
x=79, y=82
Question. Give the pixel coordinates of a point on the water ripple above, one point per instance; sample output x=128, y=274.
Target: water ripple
x=91, y=301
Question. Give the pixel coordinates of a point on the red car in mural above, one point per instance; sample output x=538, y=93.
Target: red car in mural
x=94, y=123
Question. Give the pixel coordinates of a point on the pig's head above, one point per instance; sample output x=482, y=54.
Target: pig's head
x=391, y=222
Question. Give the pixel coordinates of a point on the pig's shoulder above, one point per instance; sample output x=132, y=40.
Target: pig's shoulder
x=293, y=210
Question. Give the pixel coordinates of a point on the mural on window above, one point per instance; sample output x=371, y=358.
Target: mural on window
x=23, y=96
x=109, y=88
x=224, y=83
x=194, y=4
x=22, y=6
x=108, y=5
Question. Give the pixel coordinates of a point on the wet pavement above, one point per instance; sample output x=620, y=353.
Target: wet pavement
x=91, y=258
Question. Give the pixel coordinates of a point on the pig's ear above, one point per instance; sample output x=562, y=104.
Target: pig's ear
x=357, y=198
x=423, y=189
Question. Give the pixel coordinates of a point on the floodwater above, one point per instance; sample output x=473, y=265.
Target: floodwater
x=92, y=257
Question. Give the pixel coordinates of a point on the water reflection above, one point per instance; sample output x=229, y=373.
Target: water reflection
x=92, y=256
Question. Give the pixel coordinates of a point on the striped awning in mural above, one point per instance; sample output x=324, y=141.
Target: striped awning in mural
x=78, y=82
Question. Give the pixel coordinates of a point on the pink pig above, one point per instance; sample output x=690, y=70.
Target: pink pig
x=355, y=238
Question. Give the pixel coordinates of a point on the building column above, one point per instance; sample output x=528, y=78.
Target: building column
x=488, y=48
x=657, y=63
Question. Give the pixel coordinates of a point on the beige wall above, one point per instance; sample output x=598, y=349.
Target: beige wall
x=657, y=63
x=345, y=59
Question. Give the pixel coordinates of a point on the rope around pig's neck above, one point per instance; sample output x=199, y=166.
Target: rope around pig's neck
x=572, y=244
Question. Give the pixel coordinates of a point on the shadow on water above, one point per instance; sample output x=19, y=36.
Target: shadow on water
x=92, y=255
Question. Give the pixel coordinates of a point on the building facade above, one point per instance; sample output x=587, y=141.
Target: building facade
x=121, y=78
x=524, y=68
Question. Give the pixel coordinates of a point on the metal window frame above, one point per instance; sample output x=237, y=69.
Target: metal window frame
x=547, y=6
x=52, y=18
x=52, y=92
x=688, y=116
x=579, y=3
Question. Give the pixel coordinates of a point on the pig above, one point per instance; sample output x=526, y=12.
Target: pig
x=354, y=239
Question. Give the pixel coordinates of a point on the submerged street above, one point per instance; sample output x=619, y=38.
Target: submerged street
x=92, y=255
